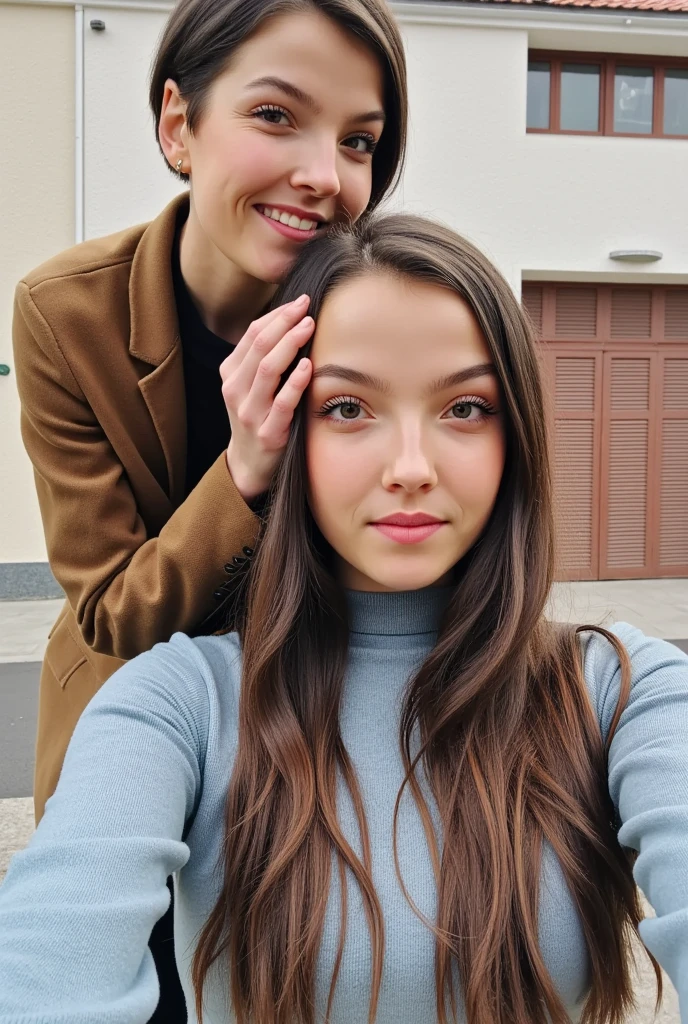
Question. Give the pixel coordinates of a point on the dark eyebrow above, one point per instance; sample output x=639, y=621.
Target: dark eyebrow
x=289, y=89
x=364, y=380
x=377, y=384
x=461, y=376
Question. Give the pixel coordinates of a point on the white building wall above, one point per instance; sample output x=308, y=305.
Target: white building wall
x=541, y=206
x=126, y=179
x=549, y=206
x=36, y=219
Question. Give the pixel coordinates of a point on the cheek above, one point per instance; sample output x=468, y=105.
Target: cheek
x=355, y=184
x=476, y=471
x=258, y=160
x=237, y=162
x=493, y=467
x=336, y=474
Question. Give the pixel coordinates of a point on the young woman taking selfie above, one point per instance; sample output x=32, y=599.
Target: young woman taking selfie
x=397, y=793
x=151, y=436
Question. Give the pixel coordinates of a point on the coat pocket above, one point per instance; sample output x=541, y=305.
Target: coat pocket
x=64, y=655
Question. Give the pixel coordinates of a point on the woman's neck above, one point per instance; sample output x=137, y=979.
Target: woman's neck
x=226, y=297
x=397, y=613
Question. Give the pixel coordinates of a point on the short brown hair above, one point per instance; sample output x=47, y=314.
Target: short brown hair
x=202, y=35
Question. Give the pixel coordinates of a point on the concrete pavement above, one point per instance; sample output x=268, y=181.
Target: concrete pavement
x=658, y=607
x=18, y=714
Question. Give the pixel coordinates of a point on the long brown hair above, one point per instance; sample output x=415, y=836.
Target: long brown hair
x=201, y=36
x=510, y=742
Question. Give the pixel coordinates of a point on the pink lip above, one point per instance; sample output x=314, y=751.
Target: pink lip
x=294, y=233
x=409, y=519
x=407, y=534
x=408, y=529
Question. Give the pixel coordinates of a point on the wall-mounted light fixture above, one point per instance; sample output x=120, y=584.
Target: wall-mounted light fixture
x=636, y=255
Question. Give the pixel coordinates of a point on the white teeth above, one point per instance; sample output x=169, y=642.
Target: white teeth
x=290, y=219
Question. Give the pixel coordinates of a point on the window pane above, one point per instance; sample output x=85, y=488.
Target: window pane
x=633, y=88
x=676, y=102
x=580, y=97
x=537, y=110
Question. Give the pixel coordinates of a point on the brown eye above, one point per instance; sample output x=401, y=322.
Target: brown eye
x=341, y=410
x=462, y=410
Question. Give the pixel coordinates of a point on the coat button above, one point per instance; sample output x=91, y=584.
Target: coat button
x=248, y=552
x=218, y=595
x=231, y=569
x=238, y=561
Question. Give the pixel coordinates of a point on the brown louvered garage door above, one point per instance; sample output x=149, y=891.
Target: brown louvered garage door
x=616, y=365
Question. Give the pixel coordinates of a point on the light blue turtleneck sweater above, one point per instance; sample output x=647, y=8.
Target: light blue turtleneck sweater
x=141, y=797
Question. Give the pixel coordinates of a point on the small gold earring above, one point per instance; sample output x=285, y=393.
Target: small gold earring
x=179, y=165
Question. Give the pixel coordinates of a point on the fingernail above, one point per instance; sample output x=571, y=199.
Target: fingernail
x=303, y=364
x=307, y=321
x=300, y=301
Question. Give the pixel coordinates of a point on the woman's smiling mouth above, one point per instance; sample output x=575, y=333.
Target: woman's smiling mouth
x=290, y=222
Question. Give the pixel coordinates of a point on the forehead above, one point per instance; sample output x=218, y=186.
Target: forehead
x=406, y=331
x=314, y=52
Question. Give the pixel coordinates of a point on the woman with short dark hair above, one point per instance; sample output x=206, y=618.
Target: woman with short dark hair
x=152, y=403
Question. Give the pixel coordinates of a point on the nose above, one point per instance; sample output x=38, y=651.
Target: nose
x=317, y=169
x=410, y=466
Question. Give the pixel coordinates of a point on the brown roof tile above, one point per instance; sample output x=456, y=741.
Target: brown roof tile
x=666, y=6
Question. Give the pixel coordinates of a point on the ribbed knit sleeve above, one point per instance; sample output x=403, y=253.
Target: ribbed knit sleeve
x=78, y=905
x=648, y=782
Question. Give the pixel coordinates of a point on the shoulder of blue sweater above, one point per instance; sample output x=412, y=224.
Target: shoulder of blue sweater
x=645, y=652
x=220, y=653
x=201, y=651
x=658, y=669
x=182, y=672
x=213, y=659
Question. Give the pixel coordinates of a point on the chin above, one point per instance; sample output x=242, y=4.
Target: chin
x=273, y=268
x=411, y=578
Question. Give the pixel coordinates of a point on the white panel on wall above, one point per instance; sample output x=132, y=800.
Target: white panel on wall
x=36, y=220
x=126, y=179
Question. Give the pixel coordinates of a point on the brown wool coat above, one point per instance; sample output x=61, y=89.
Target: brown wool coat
x=100, y=376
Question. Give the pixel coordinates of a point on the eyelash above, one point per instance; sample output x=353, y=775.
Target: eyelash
x=369, y=139
x=335, y=403
x=269, y=108
x=272, y=108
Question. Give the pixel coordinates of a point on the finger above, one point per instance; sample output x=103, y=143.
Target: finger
x=261, y=394
x=263, y=341
x=242, y=346
x=276, y=426
x=269, y=328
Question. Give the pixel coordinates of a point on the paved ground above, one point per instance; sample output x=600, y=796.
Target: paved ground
x=18, y=707
x=658, y=607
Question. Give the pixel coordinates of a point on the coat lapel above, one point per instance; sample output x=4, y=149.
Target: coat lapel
x=155, y=340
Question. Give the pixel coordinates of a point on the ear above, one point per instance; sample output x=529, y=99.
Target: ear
x=172, y=129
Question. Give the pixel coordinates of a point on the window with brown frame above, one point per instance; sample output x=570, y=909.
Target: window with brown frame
x=607, y=94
